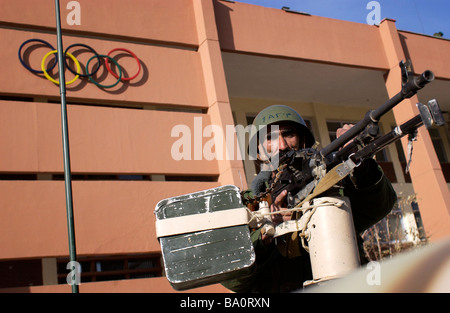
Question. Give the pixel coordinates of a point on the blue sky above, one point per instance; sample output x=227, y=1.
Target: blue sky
x=420, y=16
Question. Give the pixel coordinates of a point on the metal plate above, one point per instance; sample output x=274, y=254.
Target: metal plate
x=208, y=256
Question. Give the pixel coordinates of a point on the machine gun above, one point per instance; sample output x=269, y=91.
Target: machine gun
x=205, y=236
x=303, y=171
x=328, y=233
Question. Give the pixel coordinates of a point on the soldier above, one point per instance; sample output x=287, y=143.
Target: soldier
x=282, y=265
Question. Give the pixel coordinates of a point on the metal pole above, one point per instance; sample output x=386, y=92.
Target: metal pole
x=65, y=140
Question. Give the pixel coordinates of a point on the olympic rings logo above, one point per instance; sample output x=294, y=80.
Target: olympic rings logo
x=77, y=72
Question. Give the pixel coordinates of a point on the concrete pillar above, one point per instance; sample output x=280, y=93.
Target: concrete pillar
x=231, y=169
x=427, y=178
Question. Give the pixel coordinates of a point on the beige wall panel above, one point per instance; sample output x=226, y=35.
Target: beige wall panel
x=167, y=76
x=111, y=217
x=153, y=285
x=161, y=20
x=278, y=33
x=427, y=53
x=102, y=140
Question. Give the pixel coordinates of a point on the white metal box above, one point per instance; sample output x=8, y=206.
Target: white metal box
x=204, y=237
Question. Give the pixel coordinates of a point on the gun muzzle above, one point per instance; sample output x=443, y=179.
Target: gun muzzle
x=411, y=87
x=425, y=78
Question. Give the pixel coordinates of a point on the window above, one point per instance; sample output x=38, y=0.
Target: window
x=396, y=232
x=20, y=273
x=309, y=125
x=103, y=177
x=250, y=118
x=103, y=268
x=418, y=218
x=333, y=127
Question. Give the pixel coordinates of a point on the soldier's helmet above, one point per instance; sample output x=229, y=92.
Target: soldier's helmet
x=275, y=114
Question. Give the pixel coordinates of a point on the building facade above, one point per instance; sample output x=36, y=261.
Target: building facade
x=199, y=65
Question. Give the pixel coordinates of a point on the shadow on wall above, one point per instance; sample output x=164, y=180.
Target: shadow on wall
x=224, y=26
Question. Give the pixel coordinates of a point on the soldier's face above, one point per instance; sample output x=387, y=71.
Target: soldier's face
x=284, y=139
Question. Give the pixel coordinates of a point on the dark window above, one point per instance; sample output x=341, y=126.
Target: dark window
x=20, y=273
x=103, y=268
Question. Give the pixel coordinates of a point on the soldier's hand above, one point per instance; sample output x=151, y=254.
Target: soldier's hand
x=342, y=130
x=278, y=206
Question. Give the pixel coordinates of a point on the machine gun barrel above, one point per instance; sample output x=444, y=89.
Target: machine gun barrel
x=380, y=143
x=430, y=116
x=409, y=88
